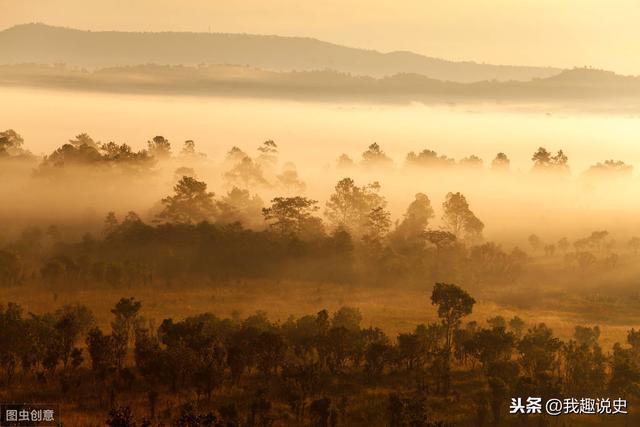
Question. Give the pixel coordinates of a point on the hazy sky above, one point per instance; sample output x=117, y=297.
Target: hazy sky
x=600, y=33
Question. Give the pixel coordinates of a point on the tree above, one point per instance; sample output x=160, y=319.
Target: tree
x=459, y=219
x=453, y=304
x=70, y=154
x=563, y=244
x=243, y=171
x=542, y=158
x=123, y=155
x=302, y=380
x=10, y=268
x=543, y=161
x=471, y=162
x=73, y=321
x=11, y=334
x=101, y=348
x=11, y=145
x=190, y=204
x=348, y=318
x=110, y=223
x=489, y=263
x=535, y=242
x=268, y=156
x=378, y=224
x=375, y=157
x=427, y=158
x=539, y=352
x=159, y=147
x=516, y=325
x=493, y=345
x=349, y=206
x=345, y=162
x=625, y=369
x=84, y=139
x=417, y=217
x=189, y=149
x=597, y=239
x=292, y=215
x=609, y=169
x=500, y=163
x=585, y=260
x=126, y=312
x=289, y=180
x=439, y=238
x=239, y=205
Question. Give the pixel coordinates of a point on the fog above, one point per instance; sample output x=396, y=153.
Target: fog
x=312, y=136
x=319, y=132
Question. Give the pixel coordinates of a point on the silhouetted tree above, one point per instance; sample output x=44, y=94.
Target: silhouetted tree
x=240, y=206
x=289, y=181
x=378, y=224
x=545, y=162
x=453, y=304
x=609, y=169
x=84, y=139
x=159, y=147
x=11, y=145
x=293, y=216
x=472, y=162
x=268, y=155
x=459, y=219
x=417, y=217
x=428, y=158
x=243, y=171
x=345, y=162
x=375, y=157
x=191, y=203
x=500, y=163
x=349, y=206
x=126, y=312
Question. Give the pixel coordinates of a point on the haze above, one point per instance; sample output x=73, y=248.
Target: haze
x=313, y=135
x=245, y=230
x=528, y=32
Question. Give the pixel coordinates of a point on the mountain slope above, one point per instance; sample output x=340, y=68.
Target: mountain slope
x=39, y=43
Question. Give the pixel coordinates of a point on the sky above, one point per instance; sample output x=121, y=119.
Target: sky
x=562, y=33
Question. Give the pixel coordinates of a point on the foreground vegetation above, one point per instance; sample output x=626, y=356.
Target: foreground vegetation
x=319, y=369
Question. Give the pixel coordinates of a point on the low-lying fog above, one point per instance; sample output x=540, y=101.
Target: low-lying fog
x=313, y=135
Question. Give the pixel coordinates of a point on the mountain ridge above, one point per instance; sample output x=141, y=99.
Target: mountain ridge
x=41, y=43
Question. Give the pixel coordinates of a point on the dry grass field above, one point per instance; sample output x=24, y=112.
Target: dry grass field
x=394, y=310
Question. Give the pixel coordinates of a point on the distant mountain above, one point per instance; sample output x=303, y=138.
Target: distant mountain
x=43, y=44
x=576, y=86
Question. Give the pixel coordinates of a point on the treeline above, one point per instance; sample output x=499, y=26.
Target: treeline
x=196, y=236
x=323, y=369
x=348, y=239
x=578, y=85
x=585, y=253
x=246, y=171
x=351, y=239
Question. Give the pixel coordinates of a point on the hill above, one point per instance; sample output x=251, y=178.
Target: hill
x=43, y=44
x=577, y=85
